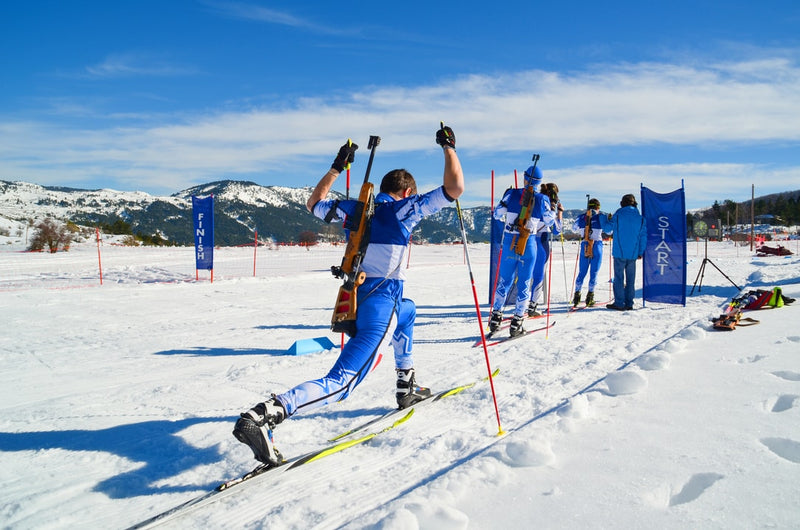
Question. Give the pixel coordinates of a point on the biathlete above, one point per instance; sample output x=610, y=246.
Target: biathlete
x=514, y=266
x=398, y=209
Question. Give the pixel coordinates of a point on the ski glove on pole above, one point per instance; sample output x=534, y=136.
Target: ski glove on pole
x=445, y=137
x=347, y=153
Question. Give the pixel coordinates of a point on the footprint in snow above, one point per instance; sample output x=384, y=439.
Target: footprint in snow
x=527, y=453
x=427, y=515
x=753, y=359
x=695, y=332
x=625, y=382
x=577, y=407
x=793, y=338
x=789, y=376
x=696, y=486
x=782, y=403
x=674, y=345
x=653, y=361
x=784, y=448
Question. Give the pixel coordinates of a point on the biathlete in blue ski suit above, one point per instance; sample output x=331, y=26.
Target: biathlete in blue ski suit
x=630, y=241
x=589, y=264
x=398, y=209
x=512, y=265
x=543, y=246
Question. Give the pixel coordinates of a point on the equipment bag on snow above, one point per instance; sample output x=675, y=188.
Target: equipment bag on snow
x=761, y=299
x=729, y=321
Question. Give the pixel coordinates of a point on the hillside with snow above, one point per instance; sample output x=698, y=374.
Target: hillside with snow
x=241, y=209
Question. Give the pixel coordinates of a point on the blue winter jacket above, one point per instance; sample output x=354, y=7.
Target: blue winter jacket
x=630, y=232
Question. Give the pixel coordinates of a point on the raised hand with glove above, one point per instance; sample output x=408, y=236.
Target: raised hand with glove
x=345, y=157
x=445, y=137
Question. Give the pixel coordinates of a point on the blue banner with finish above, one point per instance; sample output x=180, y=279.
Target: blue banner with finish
x=664, y=260
x=203, y=214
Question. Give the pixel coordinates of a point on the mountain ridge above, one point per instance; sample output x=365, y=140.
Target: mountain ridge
x=241, y=208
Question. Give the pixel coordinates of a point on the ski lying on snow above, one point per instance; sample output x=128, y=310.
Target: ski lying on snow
x=367, y=431
x=493, y=339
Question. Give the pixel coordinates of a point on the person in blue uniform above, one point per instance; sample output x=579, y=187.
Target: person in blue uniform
x=516, y=267
x=591, y=252
x=398, y=209
x=543, y=246
x=630, y=241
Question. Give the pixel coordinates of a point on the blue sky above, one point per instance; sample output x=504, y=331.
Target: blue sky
x=157, y=96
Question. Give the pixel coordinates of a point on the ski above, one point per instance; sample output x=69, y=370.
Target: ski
x=493, y=339
x=352, y=437
x=222, y=490
x=573, y=309
x=396, y=412
x=505, y=324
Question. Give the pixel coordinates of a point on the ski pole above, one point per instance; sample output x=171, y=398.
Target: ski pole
x=564, y=261
x=347, y=196
x=347, y=189
x=480, y=320
x=549, y=281
x=610, y=269
x=497, y=268
x=575, y=273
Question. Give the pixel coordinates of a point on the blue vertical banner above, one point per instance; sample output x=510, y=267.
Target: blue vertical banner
x=203, y=214
x=664, y=260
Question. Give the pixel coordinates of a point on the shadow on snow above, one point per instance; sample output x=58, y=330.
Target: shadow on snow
x=156, y=443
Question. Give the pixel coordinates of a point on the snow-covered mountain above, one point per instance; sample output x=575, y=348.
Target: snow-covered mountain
x=241, y=209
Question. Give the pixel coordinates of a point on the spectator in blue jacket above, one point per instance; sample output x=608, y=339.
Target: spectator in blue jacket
x=630, y=240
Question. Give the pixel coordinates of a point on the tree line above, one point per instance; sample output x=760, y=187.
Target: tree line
x=784, y=207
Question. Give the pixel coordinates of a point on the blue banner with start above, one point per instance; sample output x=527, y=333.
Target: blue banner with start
x=664, y=260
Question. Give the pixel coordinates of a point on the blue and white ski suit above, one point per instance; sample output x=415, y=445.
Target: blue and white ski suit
x=380, y=297
x=585, y=264
x=512, y=265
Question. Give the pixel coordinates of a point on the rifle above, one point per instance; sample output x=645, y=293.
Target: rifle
x=587, y=232
x=520, y=240
x=344, y=311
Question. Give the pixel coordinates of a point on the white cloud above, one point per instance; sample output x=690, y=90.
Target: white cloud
x=733, y=104
x=257, y=13
x=132, y=64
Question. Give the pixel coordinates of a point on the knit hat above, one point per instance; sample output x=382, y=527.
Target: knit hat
x=594, y=204
x=533, y=175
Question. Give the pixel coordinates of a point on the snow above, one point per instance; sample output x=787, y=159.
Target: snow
x=118, y=400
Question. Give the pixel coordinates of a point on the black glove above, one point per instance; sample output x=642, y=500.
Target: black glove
x=347, y=153
x=445, y=136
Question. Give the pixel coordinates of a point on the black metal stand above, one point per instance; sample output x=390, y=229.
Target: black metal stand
x=702, y=273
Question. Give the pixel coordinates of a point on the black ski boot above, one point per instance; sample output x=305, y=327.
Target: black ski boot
x=516, y=328
x=576, y=299
x=254, y=429
x=408, y=392
x=590, y=299
x=495, y=320
x=532, y=311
